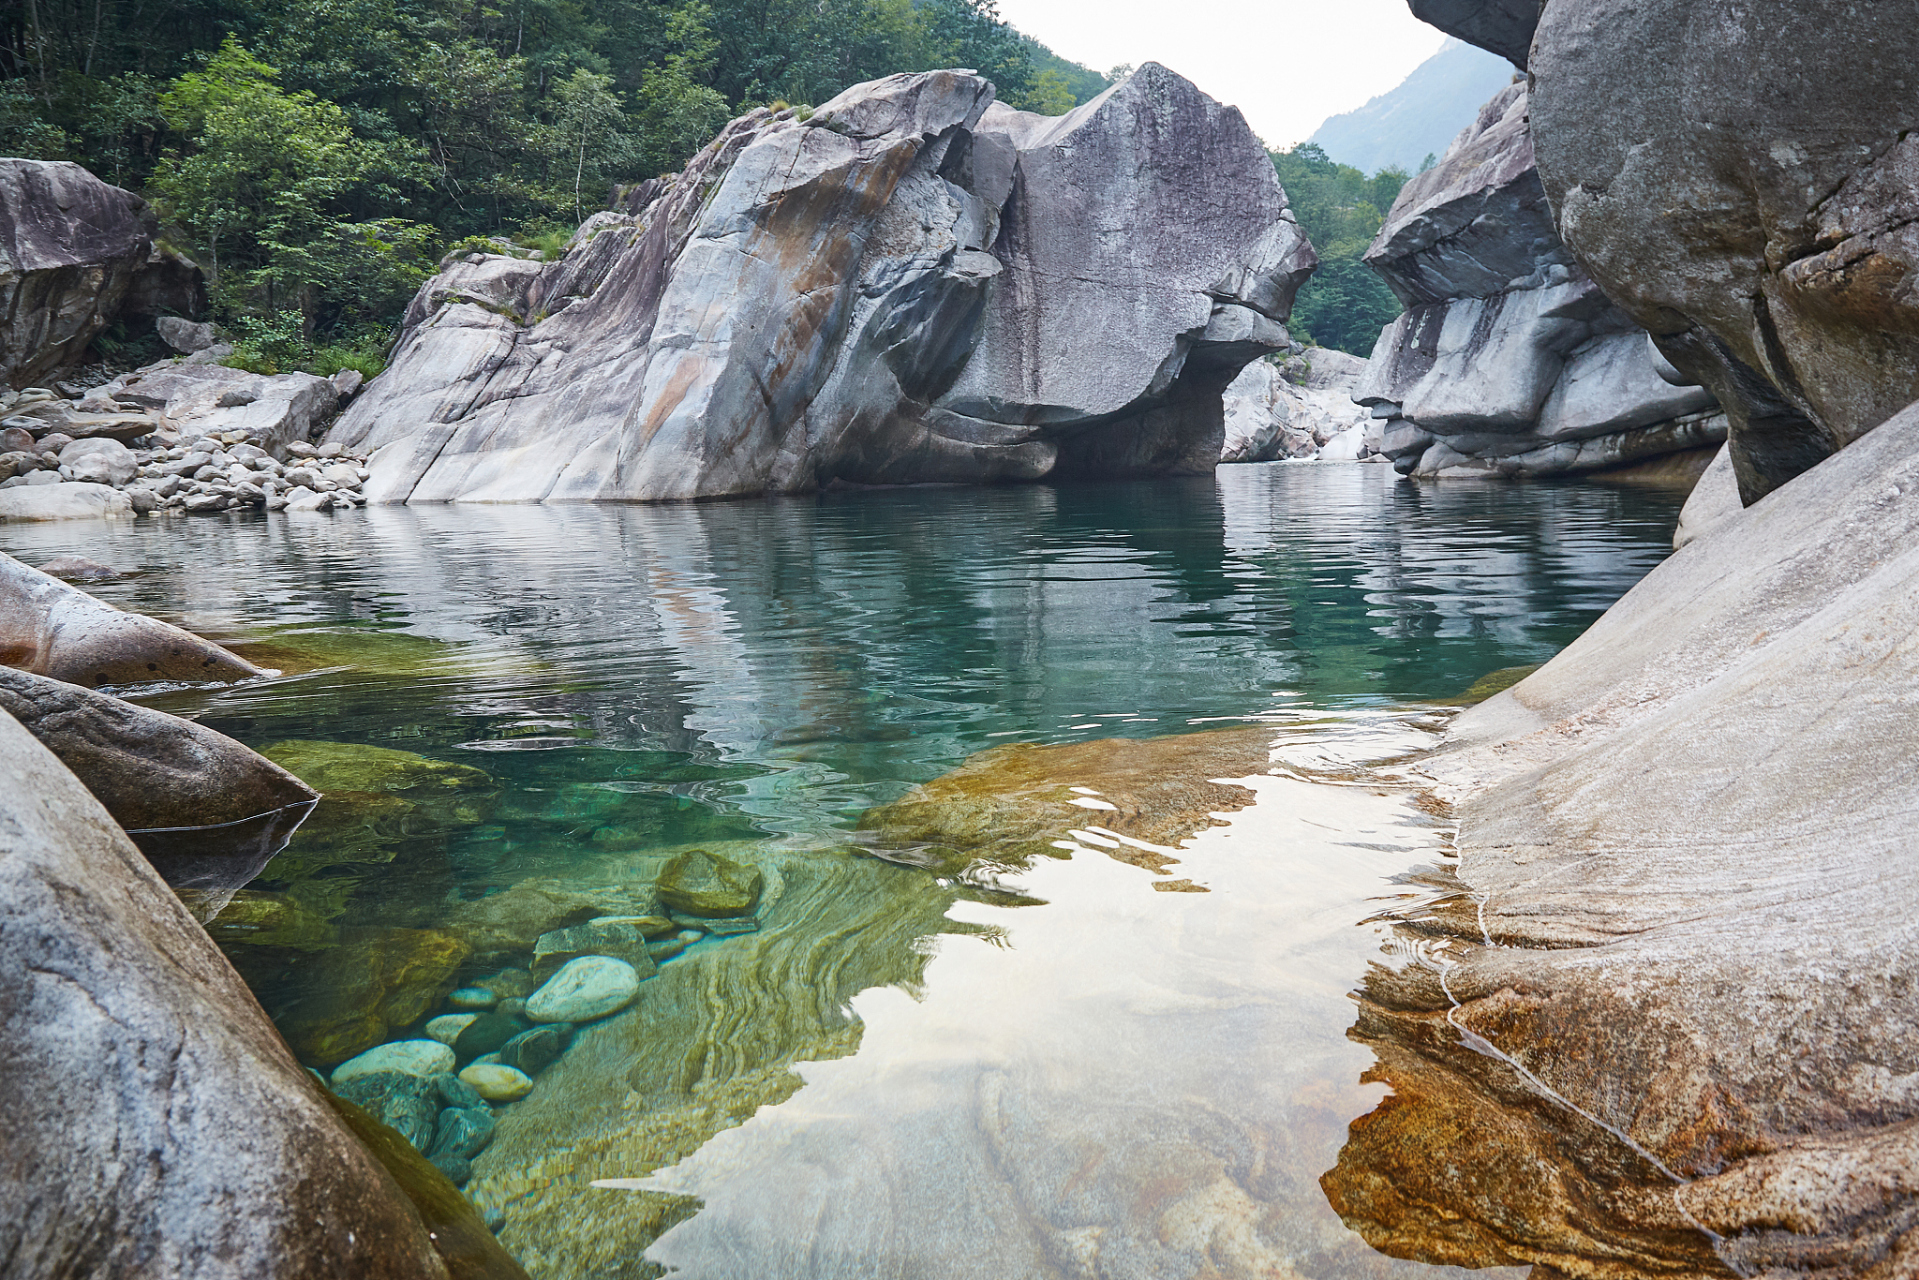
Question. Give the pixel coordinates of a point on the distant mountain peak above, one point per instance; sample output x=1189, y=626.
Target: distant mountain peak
x=1421, y=116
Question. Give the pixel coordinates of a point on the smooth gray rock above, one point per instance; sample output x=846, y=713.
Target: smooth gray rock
x=184, y=336
x=207, y=812
x=75, y=255
x=200, y=400
x=584, y=989
x=99, y=461
x=1740, y=178
x=49, y=500
x=1689, y=837
x=156, y=1122
x=1268, y=417
x=1508, y=356
x=407, y=1103
x=56, y=630
x=1504, y=27
x=915, y=284
x=1713, y=499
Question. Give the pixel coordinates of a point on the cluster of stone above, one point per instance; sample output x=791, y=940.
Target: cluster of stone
x=190, y=436
x=498, y=1033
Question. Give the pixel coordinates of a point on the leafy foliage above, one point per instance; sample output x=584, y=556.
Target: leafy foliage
x=278, y=190
x=1344, y=305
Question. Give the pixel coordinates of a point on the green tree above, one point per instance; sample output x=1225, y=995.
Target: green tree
x=275, y=189
x=1345, y=304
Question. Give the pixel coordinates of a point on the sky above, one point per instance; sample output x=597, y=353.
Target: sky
x=1288, y=64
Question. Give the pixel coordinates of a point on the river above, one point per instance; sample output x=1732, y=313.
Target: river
x=936, y=1055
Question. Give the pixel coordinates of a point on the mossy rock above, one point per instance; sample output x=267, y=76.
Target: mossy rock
x=458, y=1233
x=353, y=996
x=1010, y=804
x=698, y=883
x=258, y=919
x=296, y=650
x=357, y=767
x=512, y=920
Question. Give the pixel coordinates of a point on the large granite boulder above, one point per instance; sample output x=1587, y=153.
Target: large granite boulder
x=913, y=284
x=156, y=1123
x=196, y=398
x=206, y=811
x=1509, y=360
x=59, y=631
x=1667, y=1027
x=1741, y=177
x=75, y=254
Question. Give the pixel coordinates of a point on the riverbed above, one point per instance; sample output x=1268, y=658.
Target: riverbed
x=947, y=1054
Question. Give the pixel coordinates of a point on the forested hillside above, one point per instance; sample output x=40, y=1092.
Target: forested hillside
x=1345, y=304
x=318, y=156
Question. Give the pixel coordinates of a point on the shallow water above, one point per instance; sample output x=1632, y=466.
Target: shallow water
x=1116, y=1083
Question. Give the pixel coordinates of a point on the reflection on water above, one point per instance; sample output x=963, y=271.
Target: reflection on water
x=520, y=715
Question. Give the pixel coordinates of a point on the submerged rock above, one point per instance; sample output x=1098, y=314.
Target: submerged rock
x=607, y=937
x=536, y=1050
x=497, y=1082
x=355, y=994
x=130, y=1048
x=423, y=1058
x=914, y=284
x=514, y=919
x=584, y=989
x=1687, y=844
x=54, y=630
x=1138, y=796
x=1509, y=361
x=698, y=883
x=1744, y=181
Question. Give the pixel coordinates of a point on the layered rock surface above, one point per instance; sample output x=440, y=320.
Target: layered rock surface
x=75, y=254
x=1667, y=1030
x=1741, y=179
x=914, y=284
x=156, y=1123
x=1509, y=360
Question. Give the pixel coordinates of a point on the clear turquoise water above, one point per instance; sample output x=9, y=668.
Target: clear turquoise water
x=758, y=674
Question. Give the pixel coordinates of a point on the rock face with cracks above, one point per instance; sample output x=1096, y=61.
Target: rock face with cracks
x=1741, y=178
x=915, y=284
x=130, y=1049
x=75, y=254
x=1669, y=1030
x=1509, y=360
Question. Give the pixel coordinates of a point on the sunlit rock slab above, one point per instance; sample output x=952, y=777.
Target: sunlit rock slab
x=1689, y=966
